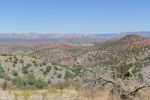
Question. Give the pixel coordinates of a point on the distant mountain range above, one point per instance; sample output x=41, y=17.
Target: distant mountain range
x=66, y=38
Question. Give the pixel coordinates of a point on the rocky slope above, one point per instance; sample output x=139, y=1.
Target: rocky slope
x=120, y=65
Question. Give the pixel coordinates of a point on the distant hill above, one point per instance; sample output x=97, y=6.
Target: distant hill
x=134, y=40
x=74, y=39
x=128, y=41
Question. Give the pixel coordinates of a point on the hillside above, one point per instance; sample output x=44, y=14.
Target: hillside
x=118, y=67
x=15, y=68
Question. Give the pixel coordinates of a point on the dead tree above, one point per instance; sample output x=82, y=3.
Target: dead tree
x=100, y=81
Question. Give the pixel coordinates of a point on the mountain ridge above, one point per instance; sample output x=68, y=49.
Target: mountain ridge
x=74, y=39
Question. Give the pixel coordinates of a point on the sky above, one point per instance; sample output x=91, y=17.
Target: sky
x=74, y=16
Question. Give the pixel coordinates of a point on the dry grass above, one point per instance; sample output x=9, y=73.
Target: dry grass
x=103, y=94
x=49, y=94
x=53, y=93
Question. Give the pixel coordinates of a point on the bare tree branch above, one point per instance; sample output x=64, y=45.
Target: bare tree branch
x=139, y=88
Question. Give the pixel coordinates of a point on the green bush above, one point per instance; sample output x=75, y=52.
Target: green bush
x=29, y=82
x=25, y=70
x=14, y=56
x=40, y=64
x=122, y=70
x=10, y=58
x=68, y=75
x=48, y=68
x=15, y=61
x=35, y=63
x=45, y=73
x=55, y=67
x=28, y=65
x=54, y=63
x=19, y=82
x=59, y=75
x=44, y=63
x=15, y=73
x=40, y=84
x=77, y=69
x=14, y=65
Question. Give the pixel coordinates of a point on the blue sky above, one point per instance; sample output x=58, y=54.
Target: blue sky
x=74, y=16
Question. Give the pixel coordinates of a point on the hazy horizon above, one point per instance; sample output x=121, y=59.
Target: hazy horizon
x=72, y=33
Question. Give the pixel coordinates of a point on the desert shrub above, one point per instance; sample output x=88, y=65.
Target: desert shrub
x=8, y=69
x=29, y=82
x=40, y=84
x=45, y=73
x=54, y=63
x=10, y=58
x=14, y=65
x=59, y=75
x=40, y=64
x=21, y=61
x=25, y=70
x=68, y=75
x=60, y=69
x=2, y=71
x=14, y=56
x=147, y=58
x=15, y=73
x=55, y=73
x=3, y=54
x=48, y=68
x=49, y=81
x=55, y=67
x=4, y=85
x=44, y=63
x=122, y=70
x=77, y=69
x=140, y=77
x=67, y=84
x=52, y=77
x=15, y=61
x=19, y=82
x=35, y=63
x=41, y=69
x=115, y=89
x=28, y=65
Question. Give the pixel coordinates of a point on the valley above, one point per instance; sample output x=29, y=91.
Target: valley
x=120, y=67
